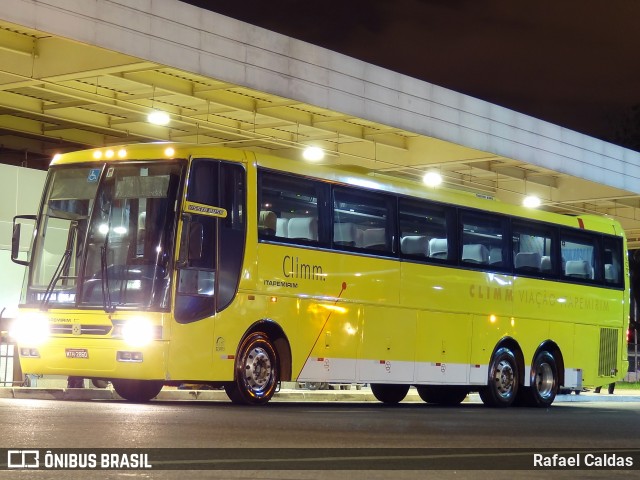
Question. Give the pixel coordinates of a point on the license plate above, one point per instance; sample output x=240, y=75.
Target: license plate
x=77, y=353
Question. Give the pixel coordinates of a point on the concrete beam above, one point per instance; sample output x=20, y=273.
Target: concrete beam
x=186, y=37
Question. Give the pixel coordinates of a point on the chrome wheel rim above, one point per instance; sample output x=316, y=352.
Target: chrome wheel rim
x=258, y=370
x=504, y=377
x=544, y=380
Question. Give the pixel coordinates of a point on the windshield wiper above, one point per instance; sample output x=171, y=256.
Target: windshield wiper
x=63, y=264
x=106, y=292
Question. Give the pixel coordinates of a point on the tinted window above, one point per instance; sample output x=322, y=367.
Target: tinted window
x=578, y=256
x=289, y=209
x=362, y=220
x=483, y=240
x=424, y=230
x=533, y=248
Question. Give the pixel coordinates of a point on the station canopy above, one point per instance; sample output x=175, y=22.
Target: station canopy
x=58, y=95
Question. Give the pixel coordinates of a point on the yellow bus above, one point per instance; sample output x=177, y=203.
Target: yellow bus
x=155, y=265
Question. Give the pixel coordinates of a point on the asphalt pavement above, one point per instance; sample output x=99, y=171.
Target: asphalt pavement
x=361, y=394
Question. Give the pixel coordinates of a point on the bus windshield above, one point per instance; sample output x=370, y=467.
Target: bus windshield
x=106, y=237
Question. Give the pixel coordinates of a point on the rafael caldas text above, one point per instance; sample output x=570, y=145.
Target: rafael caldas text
x=588, y=460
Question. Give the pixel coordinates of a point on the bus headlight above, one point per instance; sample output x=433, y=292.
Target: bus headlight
x=137, y=332
x=31, y=329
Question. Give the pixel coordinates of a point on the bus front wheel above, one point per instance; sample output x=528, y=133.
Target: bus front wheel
x=256, y=371
x=389, y=394
x=137, y=390
x=502, y=384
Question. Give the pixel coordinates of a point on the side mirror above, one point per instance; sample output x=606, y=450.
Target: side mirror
x=15, y=238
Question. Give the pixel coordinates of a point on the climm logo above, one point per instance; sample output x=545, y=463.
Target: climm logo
x=485, y=292
x=292, y=267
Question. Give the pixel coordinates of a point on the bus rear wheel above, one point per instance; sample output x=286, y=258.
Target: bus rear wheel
x=502, y=383
x=544, y=381
x=137, y=390
x=256, y=371
x=389, y=394
x=442, y=395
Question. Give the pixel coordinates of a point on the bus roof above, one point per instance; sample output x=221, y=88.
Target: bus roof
x=344, y=174
x=160, y=151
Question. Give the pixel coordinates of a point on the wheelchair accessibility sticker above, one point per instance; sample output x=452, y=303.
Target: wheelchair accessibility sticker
x=94, y=175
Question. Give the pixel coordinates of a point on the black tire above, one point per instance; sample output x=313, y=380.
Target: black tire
x=100, y=382
x=503, y=380
x=442, y=395
x=75, y=382
x=389, y=394
x=137, y=390
x=256, y=373
x=543, y=382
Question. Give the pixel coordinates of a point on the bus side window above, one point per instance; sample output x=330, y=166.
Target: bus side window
x=483, y=236
x=579, y=254
x=425, y=228
x=288, y=209
x=363, y=220
x=533, y=248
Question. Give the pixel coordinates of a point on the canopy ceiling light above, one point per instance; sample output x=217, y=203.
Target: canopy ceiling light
x=158, y=117
x=432, y=179
x=531, y=201
x=313, y=154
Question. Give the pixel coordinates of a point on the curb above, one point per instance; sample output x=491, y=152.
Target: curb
x=287, y=395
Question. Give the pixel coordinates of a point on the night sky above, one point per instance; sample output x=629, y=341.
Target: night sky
x=575, y=63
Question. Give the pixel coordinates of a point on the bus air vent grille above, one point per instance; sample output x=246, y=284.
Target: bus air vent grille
x=607, y=364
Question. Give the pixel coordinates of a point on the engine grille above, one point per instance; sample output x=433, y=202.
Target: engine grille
x=607, y=364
